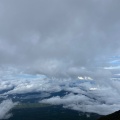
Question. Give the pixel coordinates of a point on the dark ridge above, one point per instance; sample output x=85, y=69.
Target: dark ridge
x=113, y=116
x=46, y=112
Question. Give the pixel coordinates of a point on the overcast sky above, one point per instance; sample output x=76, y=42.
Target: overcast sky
x=58, y=36
x=61, y=38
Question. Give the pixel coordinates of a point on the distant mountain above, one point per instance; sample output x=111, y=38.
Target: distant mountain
x=113, y=116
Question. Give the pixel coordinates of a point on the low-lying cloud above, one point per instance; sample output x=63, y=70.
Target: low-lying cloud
x=93, y=95
x=5, y=108
x=83, y=103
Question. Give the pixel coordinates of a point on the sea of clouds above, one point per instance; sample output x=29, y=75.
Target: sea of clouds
x=98, y=93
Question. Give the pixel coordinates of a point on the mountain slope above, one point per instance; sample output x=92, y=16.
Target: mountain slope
x=113, y=116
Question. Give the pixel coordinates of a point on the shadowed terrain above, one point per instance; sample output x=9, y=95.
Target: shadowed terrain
x=113, y=116
x=47, y=112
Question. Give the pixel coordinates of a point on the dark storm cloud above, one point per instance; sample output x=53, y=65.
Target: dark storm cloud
x=58, y=36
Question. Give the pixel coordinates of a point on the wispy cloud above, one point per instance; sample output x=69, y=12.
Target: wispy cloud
x=5, y=108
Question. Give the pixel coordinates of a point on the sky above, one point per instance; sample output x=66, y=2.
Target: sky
x=60, y=39
x=53, y=37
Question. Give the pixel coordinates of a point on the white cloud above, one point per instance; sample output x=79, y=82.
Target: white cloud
x=5, y=108
x=85, y=103
x=97, y=95
x=101, y=109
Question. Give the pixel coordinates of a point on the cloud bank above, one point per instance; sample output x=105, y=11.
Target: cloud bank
x=97, y=95
x=83, y=104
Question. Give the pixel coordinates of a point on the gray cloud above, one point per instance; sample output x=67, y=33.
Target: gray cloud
x=61, y=38
x=53, y=36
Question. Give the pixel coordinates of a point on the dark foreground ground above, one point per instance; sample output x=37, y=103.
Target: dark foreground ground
x=113, y=116
x=30, y=109
x=50, y=113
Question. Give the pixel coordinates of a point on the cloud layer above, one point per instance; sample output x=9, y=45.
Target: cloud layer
x=56, y=41
x=100, y=94
x=53, y=37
